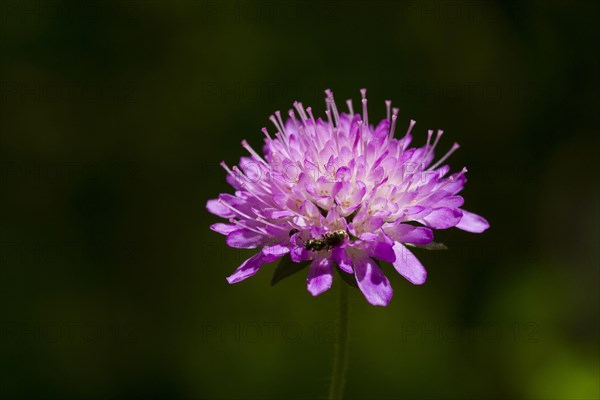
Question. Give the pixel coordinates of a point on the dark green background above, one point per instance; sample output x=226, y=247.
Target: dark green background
x=115, y=116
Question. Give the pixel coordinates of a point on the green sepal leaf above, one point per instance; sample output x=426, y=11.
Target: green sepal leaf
x=350, y=217
x=348, y=278
x=323, y=211
x=287, y=268
x=430, y=246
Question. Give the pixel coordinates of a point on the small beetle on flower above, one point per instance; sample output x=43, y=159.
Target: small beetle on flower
x=341, y=191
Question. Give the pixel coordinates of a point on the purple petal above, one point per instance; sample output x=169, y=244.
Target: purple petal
x=372, y=282
x=359, y=192
x=409, y=234
x=442, y=171
x=349, y=196
x=311, y=188
x=414, y=213
x=472, y=222
x=320, y=276
x=253, y=264
x=343, y=260
x=381, y=250
x=277, y=214
x=239, y=201
x=245, y=239
x=343, y=174
x=280, y=200
x=310, y=210
x=300, y=254
x=443, y=218
x=451, y=201
x=408, y=265
x=247, y=269
x=373, y=223
x=382, y=129
x=223, y=229
x=457, y=185
x=376, y=175
x=215, y=207
x=275, y=251
x=236, y=182
x=379, y=207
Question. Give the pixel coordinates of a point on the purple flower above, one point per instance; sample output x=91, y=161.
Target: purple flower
x=341, y=192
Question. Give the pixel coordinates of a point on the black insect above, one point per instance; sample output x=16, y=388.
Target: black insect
x=328, y=241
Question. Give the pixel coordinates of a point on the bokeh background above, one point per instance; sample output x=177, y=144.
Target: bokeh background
x=115, y=116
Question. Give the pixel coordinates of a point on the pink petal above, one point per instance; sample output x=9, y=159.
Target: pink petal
x=451, y=201
x=245, y=239
x=254, y=263
x=343, y=260
x=443, y=218
x=320, y=276
x=381, y=250
x=372, y=282
x=215, y=207
x=223, y=229
x=408, y=265
x=409, y=234
x=472, y=222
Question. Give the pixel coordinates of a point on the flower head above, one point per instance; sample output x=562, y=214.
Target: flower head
x=343, y=192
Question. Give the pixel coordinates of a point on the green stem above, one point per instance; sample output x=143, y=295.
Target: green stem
x=340, y=360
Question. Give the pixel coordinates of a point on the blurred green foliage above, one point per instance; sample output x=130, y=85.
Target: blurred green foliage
x=114, y=117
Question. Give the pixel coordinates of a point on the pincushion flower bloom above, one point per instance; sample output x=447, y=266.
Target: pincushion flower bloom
x=346, y=176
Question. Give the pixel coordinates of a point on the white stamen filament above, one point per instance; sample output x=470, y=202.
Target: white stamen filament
x=316, y=134
x=329, y=120
x=451, y=179
x=438, y=136
x=266, y=132
x=394, y=118
x=292, y=115
x=235, y=210
x=254, y=154
x=350, y=107
x=251, y=182
x=410, y=127
x=426, y=150
x=455, y=146
x=264, y=221
x=280, y=134
x=429, y=135
x=300, y=108
x=363, y=94
x=278, y=115
x=239, y=223
x=402, y=141
x=388, y=108
x=336, y=115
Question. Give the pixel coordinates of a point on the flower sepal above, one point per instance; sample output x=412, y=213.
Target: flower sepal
x=286, y=268
x=435, y=246
x=350, y=279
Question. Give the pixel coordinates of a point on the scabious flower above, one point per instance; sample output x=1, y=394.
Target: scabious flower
x=341, y=191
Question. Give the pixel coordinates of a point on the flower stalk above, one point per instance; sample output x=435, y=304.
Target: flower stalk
x=340, y=358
